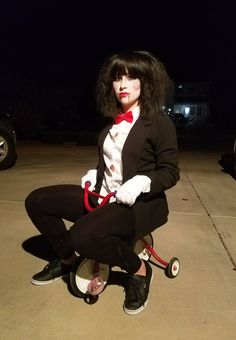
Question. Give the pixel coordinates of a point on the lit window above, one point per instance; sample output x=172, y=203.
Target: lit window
x=187, y=110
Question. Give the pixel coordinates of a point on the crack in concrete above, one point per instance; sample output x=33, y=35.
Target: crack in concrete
x=212, y=222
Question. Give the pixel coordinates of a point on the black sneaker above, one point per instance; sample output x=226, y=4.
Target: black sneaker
x=53, y=271
x=137, y=290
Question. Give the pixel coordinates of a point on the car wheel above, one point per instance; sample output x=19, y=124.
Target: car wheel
x=234, y=159
x=7, y=149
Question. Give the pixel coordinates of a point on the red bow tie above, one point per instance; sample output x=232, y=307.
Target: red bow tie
x=128, y=116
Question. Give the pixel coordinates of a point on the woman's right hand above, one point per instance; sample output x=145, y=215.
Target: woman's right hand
x=91, y=176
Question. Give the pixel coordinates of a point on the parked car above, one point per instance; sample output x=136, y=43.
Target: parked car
x=7, y=142
x=228, y=160
x=179, y=118
x=234, y=158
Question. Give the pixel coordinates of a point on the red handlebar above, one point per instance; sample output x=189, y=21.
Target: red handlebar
x=87, y=192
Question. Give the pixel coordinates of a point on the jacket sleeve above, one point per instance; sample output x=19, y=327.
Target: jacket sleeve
x=166, y=173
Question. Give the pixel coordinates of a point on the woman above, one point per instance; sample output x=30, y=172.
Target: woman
x=138, y=158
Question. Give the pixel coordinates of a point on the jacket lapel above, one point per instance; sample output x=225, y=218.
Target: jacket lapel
x=133, y=147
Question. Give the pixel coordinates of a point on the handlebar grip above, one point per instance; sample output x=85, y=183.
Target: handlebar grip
x=87, y=184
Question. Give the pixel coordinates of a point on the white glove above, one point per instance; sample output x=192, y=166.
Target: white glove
x=132, y=188
x=91, y=176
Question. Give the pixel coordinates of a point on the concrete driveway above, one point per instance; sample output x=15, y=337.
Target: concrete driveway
x=200, y=303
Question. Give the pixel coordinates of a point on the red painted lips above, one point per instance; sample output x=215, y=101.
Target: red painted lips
x=123, y=94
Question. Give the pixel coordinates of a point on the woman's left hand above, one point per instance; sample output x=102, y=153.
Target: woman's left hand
x=131, y=189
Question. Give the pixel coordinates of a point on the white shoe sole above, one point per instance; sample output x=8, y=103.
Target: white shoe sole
x=136, y=311
x=43, y=283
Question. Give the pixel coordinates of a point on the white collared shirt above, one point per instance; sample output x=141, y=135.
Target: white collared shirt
x=112, y=150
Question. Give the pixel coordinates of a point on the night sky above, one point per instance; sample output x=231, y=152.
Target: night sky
x=65, y=41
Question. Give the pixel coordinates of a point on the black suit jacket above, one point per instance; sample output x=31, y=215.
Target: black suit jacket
x=150, y=149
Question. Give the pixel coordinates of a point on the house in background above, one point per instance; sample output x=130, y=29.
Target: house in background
x=191, y=102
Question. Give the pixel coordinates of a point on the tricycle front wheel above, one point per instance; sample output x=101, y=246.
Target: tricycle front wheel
x=88, y=277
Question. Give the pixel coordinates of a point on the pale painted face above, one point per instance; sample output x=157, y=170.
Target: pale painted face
x=127, y=91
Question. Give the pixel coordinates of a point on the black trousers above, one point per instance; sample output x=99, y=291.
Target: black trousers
x=104, y=234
